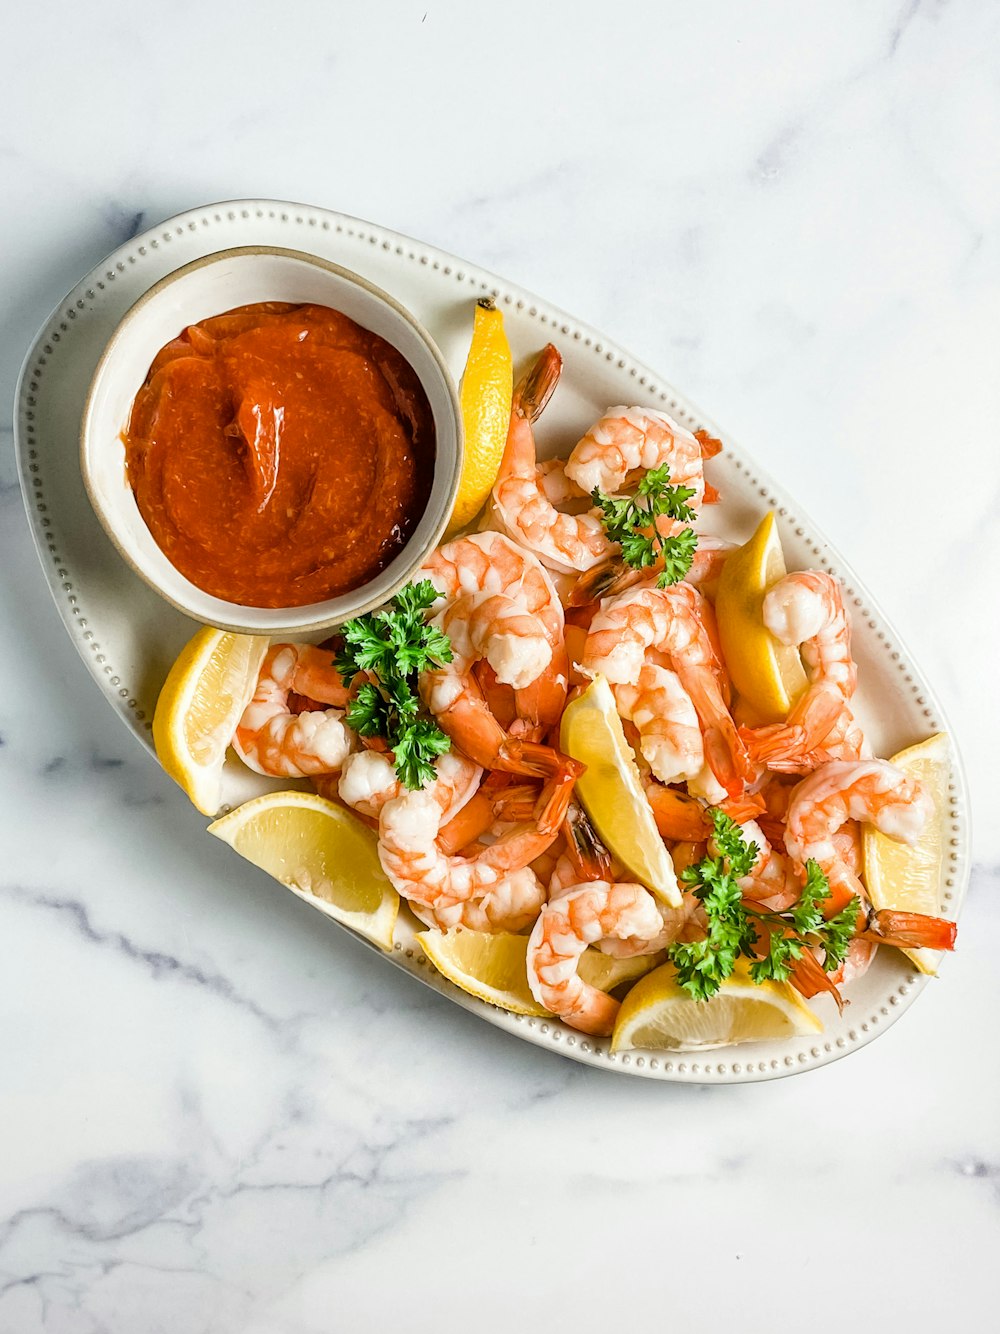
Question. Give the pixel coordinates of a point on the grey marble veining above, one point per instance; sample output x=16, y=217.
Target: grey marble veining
x=218, y=1114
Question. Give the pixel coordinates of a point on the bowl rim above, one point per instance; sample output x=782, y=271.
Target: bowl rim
x=321, y=622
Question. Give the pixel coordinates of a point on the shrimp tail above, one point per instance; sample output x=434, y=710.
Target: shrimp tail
x=591, y=859
x=559, y=771
x=911, y=930
x=678, y=816
x=603, y=581
x=809, y=979
x=538, y=384
x=710, y=446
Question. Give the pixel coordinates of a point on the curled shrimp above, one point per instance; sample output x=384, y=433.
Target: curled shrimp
x=498, y=879
x=669, y=731
x=587, y=861
x=626, y=440
x=876, y=792
x=271, y=739
x=521, y=639
x=586, y=914
x=525, y=496
x=646, y=619
x=806, y=609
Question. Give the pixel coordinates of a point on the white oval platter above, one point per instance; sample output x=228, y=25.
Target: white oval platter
x=128, y=637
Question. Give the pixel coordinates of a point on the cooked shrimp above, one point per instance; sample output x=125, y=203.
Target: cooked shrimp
x=491, y=565
x=418, y=869
x=526, y=497
x=368, y=781
x=626, y=440
x=874, y=791
x=513, y=903
x=491, y=562
x=646, y=619
x=519, y=648
x=585, y=915
x=806, y=609
x=669, y=734
x=270, y=739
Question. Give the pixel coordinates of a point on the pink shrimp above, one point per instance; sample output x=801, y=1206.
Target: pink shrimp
x=807, y=609
x=626, y=440
x=444, y=884
x=873, y=791
x=271, y=739
x=525, y=497
x=585, y=915
x=650, y=619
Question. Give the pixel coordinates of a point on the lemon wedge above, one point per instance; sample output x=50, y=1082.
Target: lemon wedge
x=909, y=879
x=485, y=397
x=493, y=966
x=611, y=789
x=490, y=966
x=658, y=1015
x=767, y=675
x=319, y=851
x=202, y=700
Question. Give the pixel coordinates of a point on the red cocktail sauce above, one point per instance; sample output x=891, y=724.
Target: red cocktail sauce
x=280, y=454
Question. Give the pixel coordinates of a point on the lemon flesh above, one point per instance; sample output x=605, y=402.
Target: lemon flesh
x=611, y=790
x=485, y=398
x=910, y=879
x=492, y=966
x=319, y=851
x=767, y=675
x=197, y=711
x=658, y=1015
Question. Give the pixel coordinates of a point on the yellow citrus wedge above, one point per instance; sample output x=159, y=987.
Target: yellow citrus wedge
x=319, y=851
x=611, y=789
x=485, y=395
x=767, y=675
x=489, y=966
x=202, y=699
x=493, y=966
x=657, y=1015
x=910, y=879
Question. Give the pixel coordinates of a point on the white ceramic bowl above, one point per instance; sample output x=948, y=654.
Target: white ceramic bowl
x=209, y=286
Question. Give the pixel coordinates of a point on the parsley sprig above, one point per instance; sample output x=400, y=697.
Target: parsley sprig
x=389, y=648
x=631, y=523
x=736, y=929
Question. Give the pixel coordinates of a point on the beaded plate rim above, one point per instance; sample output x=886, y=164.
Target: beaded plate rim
x=33, y=384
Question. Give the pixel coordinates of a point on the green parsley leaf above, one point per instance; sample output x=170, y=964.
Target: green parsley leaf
x=420, y=743
x=389, y=648
x=735, y=929
x=632, y=524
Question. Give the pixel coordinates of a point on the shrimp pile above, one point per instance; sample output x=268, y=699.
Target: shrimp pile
x=535, y=605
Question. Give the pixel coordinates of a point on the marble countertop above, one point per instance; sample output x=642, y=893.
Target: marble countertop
x=215, y=1115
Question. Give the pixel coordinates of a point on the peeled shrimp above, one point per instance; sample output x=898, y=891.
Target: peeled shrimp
x=585, y=915
x=807, y=609
x=628, y=439
x=271, y=739
x=421, y=872
x=525, y=496
x=368, y=781
x=874, y=791
x=645, y=619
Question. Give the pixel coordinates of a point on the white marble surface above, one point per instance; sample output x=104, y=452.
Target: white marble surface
x=216, y=1115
